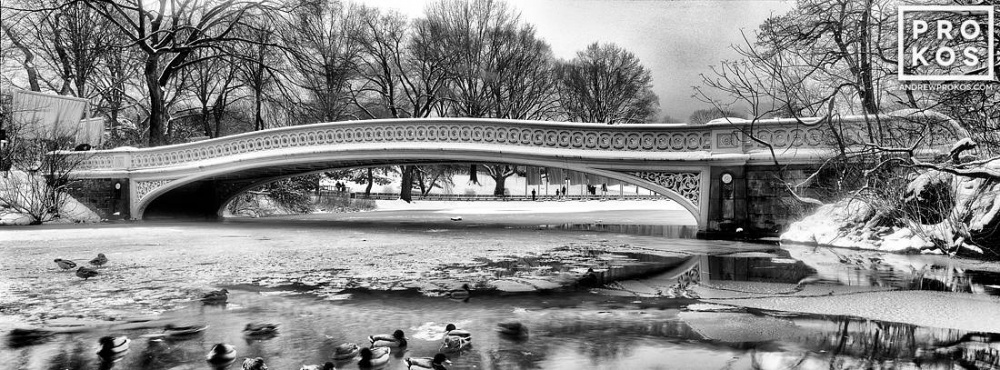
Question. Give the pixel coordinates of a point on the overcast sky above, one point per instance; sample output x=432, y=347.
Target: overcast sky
x=676, y=40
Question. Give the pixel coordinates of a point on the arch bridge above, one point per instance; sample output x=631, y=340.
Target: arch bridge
x=707, y=169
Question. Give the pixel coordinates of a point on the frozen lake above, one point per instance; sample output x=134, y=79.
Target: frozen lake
x=658, y=300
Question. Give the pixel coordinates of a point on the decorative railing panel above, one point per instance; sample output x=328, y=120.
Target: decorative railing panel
x=687, y=184
x=145, y=187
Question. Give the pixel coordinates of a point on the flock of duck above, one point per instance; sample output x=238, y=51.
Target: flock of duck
x=376, y=355
x=222, y=355
x=83, y=272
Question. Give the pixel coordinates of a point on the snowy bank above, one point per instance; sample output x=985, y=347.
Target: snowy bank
x=22, y=188
x=938, y=213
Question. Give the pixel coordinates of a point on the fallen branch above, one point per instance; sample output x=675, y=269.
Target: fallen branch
x=977, y=173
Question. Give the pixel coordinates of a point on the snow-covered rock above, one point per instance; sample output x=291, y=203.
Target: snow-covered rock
x=904, y=240
x=930, y=196
x=826, y=226
x=14, y=219
x=982, y=200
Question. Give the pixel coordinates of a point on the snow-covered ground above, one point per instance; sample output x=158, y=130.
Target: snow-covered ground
x=494, y=207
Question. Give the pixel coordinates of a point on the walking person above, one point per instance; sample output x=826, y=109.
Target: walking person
x=532, y=194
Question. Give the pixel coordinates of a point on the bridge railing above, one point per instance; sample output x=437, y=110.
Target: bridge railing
x=925, y=131
x=727, y=136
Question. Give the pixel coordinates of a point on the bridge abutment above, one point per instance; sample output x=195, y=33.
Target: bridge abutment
x=108, y=198
x=755, y=199
x=771, y=207
x=727, y=203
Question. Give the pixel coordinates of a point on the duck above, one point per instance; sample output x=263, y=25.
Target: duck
x=434, y=363
x=86, y=273
x=65, y=264
x=171, y=330
x=451, y=330
x=254, y=364
x=20, y=337
x=589, y=279
x=460, y=294
x=346, y=351
x=512, y=329
x=455, y=343
x=216, y=296
x=221, y=354
x=100, y=260
x=374, y=357
x=397, y=339
x=260, y=330
x=112, y=346
x=326, y=366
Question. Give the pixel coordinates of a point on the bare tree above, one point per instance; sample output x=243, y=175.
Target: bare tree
x=606, y=84
x=703, y=116
x=117, y=84
x=212, y=84
x=260, y=65
x=495, y=65
x=19, y=41
x=430, y=177
x=322, y=50
x=168, y=34
x=498, y=68
x=75, y=38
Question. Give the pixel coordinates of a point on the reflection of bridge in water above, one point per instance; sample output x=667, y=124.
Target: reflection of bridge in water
x=779, y=340
x=712, y=170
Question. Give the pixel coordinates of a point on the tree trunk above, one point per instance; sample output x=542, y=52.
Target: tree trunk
x=868, y=97
x=473, y=172
x=205, y=123
x=371, y=181
x=156, y=108
x=29, y=57
x=258, y=121
x=430, y=185
x=500, y=181
x=406, y=185
x=420, y=182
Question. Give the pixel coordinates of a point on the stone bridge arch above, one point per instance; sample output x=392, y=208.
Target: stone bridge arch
x=212, y=188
